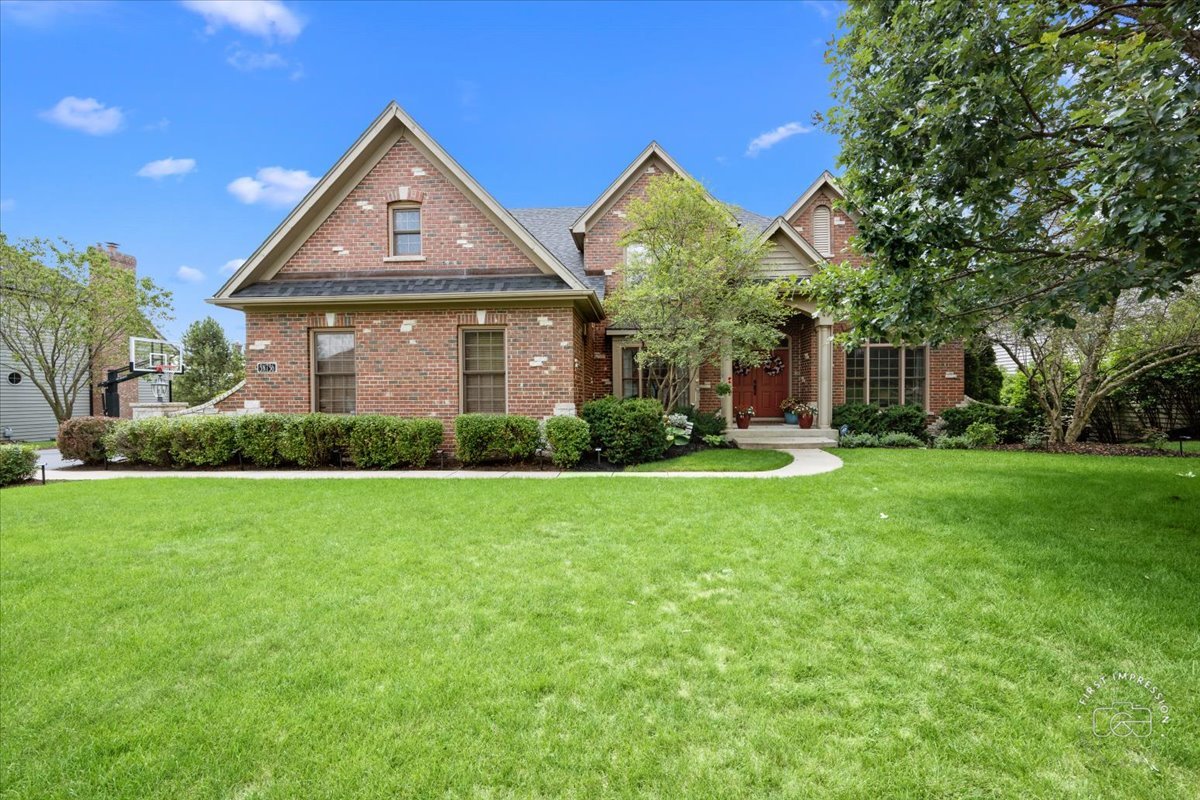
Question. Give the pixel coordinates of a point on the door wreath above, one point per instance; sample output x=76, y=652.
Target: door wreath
x=774, y=366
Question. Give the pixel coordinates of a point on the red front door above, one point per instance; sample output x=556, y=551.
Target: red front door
x=763, y=387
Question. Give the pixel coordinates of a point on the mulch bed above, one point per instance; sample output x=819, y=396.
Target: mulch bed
x=1100, y=449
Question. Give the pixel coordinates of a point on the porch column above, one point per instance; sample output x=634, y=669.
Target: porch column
x=727, y=374
x=824, y=372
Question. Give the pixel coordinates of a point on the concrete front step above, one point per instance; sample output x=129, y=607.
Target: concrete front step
x=778, y=436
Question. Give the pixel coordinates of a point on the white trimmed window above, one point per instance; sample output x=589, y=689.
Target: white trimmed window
x=883, y=375
x=820, y=230
x=406, y=229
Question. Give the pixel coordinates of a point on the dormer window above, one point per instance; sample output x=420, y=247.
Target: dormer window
x=820, y=230
x=406, y=230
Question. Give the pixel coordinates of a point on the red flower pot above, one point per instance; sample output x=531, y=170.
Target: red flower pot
x=806, y=420
x=743, y=422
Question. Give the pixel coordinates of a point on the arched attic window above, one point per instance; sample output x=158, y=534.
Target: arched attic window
x=820, y=230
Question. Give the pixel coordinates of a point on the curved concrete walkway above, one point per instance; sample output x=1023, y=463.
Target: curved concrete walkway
x=804, y=462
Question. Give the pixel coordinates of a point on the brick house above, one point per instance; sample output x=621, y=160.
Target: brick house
x=398, y=285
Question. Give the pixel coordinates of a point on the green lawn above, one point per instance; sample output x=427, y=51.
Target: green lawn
x=43, y=444
x=1192, y=446
x=725, y=460
x=597, y=637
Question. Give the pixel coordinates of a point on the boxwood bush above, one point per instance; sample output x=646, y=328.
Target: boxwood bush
x=203, y=441
x=900, y=440
x=982, y=434
x=495, y=437
x=638, y=433
x=952, y=443
x=17, y=463
x=1012, y=424
x=258, y=437
x=143, y=441
x=600, y=415
x=82, y=438
x=383, y=442
x=314, y=440
x=864, y=418
x=569, y=438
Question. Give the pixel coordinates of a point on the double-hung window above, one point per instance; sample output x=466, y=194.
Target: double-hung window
x=333, y=372
x=483, y=376
x=406, y=230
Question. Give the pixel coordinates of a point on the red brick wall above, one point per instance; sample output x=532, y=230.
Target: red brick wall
x=945, y=392
x=407, y=361
x=456, y=237
x=839, y=234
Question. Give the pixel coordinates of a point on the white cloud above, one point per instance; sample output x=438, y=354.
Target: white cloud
x=189, y=275
x=232, y=265
x=85, y=114
x=165, y=167
x=159, y=126
x=7, y=204
x=273, y=186
x=769, y=139
x=41, y=14
x=248, y=61
x=268, y=19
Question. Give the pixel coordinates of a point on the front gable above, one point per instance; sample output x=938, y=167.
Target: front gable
x=341, y=228
x=790, y=254
x=817, y=217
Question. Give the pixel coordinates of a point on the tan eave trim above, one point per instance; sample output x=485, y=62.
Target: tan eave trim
x=653, y=150
x=387, y=128
x=824, y=179
x=586, y=299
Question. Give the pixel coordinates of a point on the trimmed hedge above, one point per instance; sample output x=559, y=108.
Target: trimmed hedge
x=82, y=438
x=272, y=440
x=258, y=437
x=864, y=418
x=203, y=441
x=600, y=415
x=638, y=432
x=382, y=442
x=17, y=463
x=569, y=438
x=495, y=437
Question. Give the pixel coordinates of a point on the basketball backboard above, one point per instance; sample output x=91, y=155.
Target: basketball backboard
x=155, y=355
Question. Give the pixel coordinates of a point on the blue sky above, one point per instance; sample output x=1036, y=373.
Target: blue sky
x=185, y=131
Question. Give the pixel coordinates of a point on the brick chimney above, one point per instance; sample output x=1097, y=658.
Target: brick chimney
x=116, y=257
x=118, y=356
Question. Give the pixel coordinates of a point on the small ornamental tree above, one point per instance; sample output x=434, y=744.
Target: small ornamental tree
x=214, y=364
x=62, y=310
x=693, y=293
x=1026, y=159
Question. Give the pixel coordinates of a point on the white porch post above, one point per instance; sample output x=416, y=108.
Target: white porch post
x=727, y=375
x=824, y=373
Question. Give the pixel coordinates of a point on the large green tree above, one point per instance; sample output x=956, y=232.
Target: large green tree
x=1018, y=159
x=694, y=293
x=63, y=310
x=213, y=363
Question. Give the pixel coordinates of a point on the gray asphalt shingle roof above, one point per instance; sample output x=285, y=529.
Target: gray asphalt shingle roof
x=355, y=287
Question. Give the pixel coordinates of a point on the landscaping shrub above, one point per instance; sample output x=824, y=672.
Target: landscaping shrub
x=495, y=437
x=909, y=419
x=900, y=440
x=143, y=441
x=600, y=415
x=715, y=440
x=638, y=432
x=82, y=438
x=851, y=440
x=1012, y=424
x=17, y=463
x=982, y=434
x=382, y=442
x=858, y=417
x=258, y=438
x=704, y=423
x=569, y=438
x=203, y=441
x=313, y=440
x=952, y=443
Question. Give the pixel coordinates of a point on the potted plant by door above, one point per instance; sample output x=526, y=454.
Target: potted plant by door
x=744, y=415
x=790, y=408
x=808, y=413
